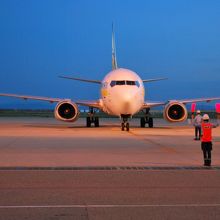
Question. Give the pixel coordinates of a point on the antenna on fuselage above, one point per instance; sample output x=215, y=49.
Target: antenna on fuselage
x=114, y=59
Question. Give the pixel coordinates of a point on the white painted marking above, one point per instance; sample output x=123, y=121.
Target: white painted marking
x=108, y=206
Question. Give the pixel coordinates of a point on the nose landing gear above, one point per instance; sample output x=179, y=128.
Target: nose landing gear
x=125, y=124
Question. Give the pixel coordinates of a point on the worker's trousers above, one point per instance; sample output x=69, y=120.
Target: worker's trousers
x=198, y=132
x=207, y=148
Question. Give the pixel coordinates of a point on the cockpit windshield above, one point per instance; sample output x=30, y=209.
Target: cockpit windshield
x=124, y=82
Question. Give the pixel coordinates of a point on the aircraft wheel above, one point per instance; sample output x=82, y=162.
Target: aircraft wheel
x=88, y=122
x=96, y=122
x=151, y=123
x=122, y=126
x=127, y=126
x=142, y=122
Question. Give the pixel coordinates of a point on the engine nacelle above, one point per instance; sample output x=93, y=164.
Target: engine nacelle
x=175, y=112
x=66, y=111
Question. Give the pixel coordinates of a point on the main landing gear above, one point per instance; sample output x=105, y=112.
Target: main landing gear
x=125, y=124
x=147, y=119
x=92, y=119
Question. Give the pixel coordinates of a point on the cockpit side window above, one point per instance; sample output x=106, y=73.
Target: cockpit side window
x=113, y=83
x=137, y=84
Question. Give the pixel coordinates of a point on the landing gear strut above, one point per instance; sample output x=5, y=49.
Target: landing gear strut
x=92, y=119
x=125, y=124
x=147, y=119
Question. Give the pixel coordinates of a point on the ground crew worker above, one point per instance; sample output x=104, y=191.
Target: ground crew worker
x=206, y=143
x=197, y=124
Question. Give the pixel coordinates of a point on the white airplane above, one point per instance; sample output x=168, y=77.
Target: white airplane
x=122, y=95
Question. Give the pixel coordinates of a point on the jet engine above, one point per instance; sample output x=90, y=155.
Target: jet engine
x=175, y=112
x=66, y=111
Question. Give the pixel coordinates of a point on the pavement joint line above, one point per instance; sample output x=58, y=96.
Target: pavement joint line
x=109, y=168
x=109, y=206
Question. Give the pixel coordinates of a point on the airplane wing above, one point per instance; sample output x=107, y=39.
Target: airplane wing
x=80, y=79
x=153, y=104
x=184, y=101
x=26, y=97
x=153, y=80
x=95, y=104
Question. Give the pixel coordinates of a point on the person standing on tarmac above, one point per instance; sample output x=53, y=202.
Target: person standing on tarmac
x=206, y=144
x=197, y=124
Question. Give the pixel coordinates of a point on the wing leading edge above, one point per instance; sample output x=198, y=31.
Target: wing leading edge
x=94, y=104
x=183, y=101
x=26, y=97
x=153, y=80
x=80, y=79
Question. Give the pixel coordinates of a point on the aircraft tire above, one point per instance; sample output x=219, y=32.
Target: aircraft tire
x=151, y=123
x=88, y=122
x=122, y=126
x=127, y=127
x=96, y=122
x=142, y=122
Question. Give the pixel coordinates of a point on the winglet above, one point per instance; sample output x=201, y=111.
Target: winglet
x=114, y=59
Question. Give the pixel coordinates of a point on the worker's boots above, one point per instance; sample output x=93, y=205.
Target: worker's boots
x=207, y=162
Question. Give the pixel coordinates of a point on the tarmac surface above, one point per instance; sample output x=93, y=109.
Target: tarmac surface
x=54, y=170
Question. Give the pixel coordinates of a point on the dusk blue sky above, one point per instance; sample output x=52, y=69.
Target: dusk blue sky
x=40, y=39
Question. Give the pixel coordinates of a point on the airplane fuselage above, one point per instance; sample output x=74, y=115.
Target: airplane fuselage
x=122, y=93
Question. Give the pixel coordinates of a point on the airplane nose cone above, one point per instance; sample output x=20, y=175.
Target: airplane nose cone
x=127, y=103
x=127, y=107
x=127, y=100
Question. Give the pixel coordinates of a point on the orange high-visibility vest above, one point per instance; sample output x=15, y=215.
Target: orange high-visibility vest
x=207, y=132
